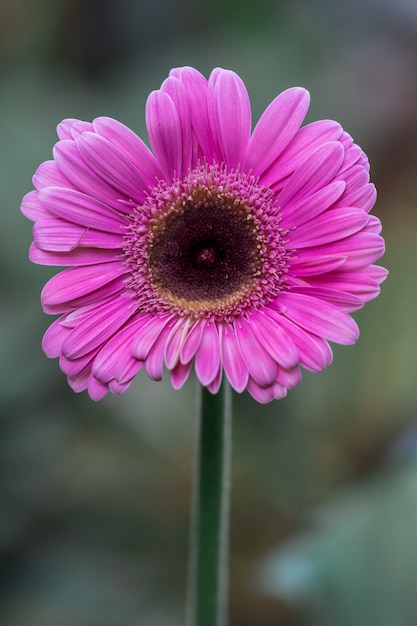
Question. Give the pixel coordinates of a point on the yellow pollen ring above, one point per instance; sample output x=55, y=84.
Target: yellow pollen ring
x=199, y=308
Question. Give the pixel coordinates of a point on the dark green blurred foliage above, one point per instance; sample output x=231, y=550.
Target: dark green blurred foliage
x=357, y=561
x=94, y=498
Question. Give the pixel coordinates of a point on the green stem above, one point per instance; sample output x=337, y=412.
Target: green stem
x=209, y=545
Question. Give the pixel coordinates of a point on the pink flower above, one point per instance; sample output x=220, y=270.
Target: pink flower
x=232, y=251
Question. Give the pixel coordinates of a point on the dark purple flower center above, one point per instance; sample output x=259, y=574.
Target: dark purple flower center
x=208, y=245
x=204, y=253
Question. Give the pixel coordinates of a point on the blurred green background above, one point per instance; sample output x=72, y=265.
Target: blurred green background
x=94, y=498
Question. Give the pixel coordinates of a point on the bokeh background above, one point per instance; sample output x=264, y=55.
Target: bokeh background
x=94, y=498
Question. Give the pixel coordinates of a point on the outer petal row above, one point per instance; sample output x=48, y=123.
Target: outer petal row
x=264, y=362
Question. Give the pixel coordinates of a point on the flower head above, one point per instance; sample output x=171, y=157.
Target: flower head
x=239, y=253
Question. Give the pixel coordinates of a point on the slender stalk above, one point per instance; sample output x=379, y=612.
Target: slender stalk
x=207, y=591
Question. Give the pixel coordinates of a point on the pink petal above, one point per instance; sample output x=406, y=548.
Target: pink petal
x=363, y=161
x=298, y=211
x=364, y=197
x=127, y=370
x=54, y=338
x=374, y=225
x=208, y=358
x=276, y=342
x=196, y=86
x=355, y=177
x=373, y=272
x=266, y=394
x=116, y=355
x=82, y=209
x=314, y=173
x=346, y=140
x=77, y=316
x=78, y=281
x=107, y=291
x=57, y=235
x=359, y=250
x=33, y=209
x=176, y=341
x=191, y=342
x=308, y=262
x=261, y=366
x=275, y=129
x=364, y=284
x=103, y=322
x=320, y=317
x=112, y=166
x=179, y=374
x=96, y=389
x=328, y=227
x=233, y=363
x=165, y=133
x=154, y=362
x=214, y=386
x=359, y=191
x=315, y=352
x=339, y=298
x=176, y=90
x=82, y=177
x=289, y=378
x=125, y=367
x=353, y=156
x=49, y=175
x=353, y=252
x=212, y=111
x=148, y=332
x=64, y=128
x=78, y=256
x=75, y=366
x=304, y=143
x=119, y=388
x=232, y=116
x=79, y=382
x=133, y=148
x=71, y=128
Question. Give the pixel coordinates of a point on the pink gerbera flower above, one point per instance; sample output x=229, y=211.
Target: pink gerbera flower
x=236, y=252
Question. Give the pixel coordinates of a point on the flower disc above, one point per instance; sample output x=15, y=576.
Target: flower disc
x=209, y=245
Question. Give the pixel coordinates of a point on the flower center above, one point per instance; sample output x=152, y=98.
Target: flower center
x=203, y=253
x=208, y=245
